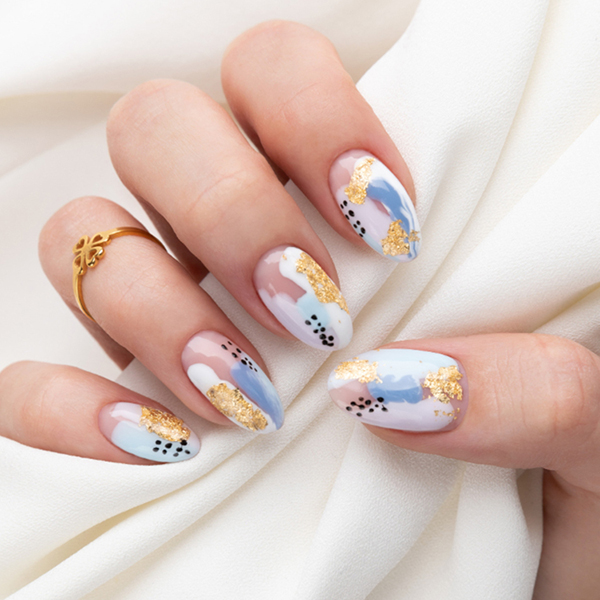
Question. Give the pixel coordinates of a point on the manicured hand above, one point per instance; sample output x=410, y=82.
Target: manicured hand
x=511, y=400
x=221, y=207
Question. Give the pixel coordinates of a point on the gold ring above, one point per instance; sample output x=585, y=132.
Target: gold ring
x=88, y=252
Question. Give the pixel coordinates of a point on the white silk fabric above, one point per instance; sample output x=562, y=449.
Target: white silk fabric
x=494, y=106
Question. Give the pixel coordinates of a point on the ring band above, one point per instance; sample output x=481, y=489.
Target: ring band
x=88, y=252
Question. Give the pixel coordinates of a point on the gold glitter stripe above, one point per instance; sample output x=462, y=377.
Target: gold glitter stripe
x=325, y=290
x=362, y=370
x=397, y=240
x=357, y=188
x=164, y=425
x=232, y=403
x=444, y=384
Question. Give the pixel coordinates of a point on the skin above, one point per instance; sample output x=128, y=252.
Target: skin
x=534, y=402
x=220, y=206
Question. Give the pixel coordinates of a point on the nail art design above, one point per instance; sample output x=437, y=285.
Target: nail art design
x=148, y=432
x=303, y=298
x=410, y=390
x=376, y=205
x=233, y=383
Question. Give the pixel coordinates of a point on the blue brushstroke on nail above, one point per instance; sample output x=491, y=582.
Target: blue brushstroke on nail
x=258, y=387
x=404, y=389
x=309, y=305
x=396, y=205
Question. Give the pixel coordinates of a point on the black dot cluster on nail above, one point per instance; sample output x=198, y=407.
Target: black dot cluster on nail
x=364, y=406
x=320, y=332
x=238, y=353
x=350, y=215
x=171, y=449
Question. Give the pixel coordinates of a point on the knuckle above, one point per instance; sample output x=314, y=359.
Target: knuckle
x=56, y=237
x=12, y=374
x=230, y=188
x=36, y=411
x=140, y=108
x=76, y=212
x=60, y=233
x=269, y=36
x=280, y=29
x=276, y=43
x=11, y=379
x=321, y=95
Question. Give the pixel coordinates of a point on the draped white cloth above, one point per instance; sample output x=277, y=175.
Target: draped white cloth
x=494, y=106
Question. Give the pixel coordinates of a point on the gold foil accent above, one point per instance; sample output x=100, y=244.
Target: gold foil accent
x=164, y=425
x=397, y=240
x=325, y=290
x=232, y=403
x=452, y=413
x=362, y=370
x=357, y=188
x=444, y=384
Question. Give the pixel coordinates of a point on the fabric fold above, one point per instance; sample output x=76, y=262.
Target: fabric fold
x=321, y=509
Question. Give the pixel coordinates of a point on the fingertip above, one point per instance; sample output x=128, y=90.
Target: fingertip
x=63, y=409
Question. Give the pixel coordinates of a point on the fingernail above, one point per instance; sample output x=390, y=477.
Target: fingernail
x=376, y=205
x=233, y=383
x=148, y=432
x=402, y=389
x=303, y=298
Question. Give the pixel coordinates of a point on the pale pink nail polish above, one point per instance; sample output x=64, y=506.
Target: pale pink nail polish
x=303, y=298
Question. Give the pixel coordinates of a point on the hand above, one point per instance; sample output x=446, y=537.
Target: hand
x=530, y=401
x=220, y=206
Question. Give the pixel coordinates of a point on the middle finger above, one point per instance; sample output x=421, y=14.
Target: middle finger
x=178, y=150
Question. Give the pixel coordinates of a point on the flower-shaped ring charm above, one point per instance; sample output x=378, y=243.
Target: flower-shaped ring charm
x=89, y=251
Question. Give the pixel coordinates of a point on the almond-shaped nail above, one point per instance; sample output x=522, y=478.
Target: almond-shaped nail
x=233, y=383
x=303, y=298
x=409, y=390
x=376, y=205
x=148, y=432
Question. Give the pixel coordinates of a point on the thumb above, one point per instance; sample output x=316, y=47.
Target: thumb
x=530, y=401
